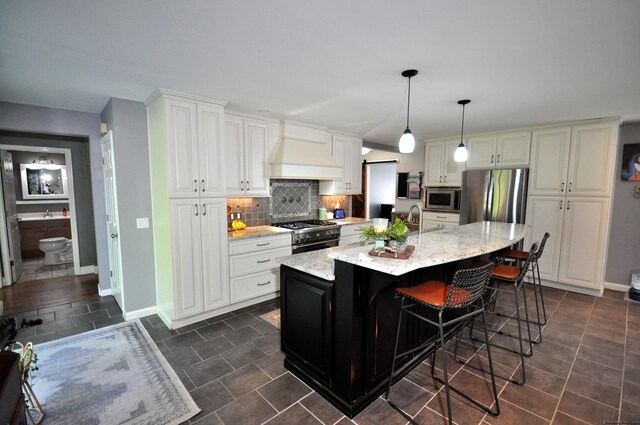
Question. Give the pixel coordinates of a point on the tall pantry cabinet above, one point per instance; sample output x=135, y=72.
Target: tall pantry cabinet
x=186, y=153
x=570, y=186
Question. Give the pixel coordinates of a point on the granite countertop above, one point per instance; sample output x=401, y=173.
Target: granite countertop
x=349, y=220
x=257, y=232
x=432, y=248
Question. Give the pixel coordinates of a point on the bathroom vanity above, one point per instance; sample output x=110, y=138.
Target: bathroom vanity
x=31, y=231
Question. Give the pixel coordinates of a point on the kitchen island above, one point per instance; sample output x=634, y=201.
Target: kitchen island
x=339, y=312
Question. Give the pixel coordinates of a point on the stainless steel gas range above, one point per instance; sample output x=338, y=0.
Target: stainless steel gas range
x=310, y=235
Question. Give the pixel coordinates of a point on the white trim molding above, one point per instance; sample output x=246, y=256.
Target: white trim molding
x=137, y=314
x=103, y=292
x=88, y=270
x=616, y=286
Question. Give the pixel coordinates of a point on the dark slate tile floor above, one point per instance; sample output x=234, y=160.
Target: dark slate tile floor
x=586, y=370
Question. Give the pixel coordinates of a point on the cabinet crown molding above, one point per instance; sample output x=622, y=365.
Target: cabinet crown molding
x=181, y=96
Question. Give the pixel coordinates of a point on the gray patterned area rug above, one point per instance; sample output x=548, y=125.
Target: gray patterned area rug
x=113, y=375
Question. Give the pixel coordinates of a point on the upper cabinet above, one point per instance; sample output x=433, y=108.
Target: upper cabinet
x=503, y=150
x=191, y=133
x=247, y=156
x=440, y=167
x=574, y=160
x=347, y=152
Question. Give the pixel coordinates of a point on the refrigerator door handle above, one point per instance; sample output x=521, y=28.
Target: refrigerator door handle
x=488, y=206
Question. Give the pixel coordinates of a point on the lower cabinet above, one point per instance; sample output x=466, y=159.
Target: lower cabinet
x=350, y=233
x=253, y=266
x=575, y=251
x=437, y=221
x=199, y=250
x=33, y=230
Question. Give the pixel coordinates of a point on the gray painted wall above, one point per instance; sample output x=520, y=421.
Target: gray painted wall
x=624, y=239
x=39, y=119
x=128, y=121
x=81, y=183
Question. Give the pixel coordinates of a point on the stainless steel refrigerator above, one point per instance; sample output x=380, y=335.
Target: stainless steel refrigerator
x=494, y=195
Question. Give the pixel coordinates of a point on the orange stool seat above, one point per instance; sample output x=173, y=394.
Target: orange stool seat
x=433, y=292
x=515, y=254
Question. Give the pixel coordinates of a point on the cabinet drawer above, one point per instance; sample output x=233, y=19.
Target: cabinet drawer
x=353, y=229
x=348, y=240
x=259, y=244
x=448, y=217
x=256, y=261
x=247, y=287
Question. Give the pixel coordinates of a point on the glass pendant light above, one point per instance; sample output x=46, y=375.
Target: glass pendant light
x=407, y=142
x=461, y=154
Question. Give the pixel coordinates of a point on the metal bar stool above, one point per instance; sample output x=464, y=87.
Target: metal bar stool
x=520, y=256
x=514, y=277
x=463, y=294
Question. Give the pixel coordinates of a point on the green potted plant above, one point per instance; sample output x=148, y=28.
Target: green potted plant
x=395, y=235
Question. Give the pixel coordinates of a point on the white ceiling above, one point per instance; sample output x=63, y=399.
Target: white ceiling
x=334, y=62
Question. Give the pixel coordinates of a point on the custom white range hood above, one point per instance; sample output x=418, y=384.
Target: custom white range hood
x=304, y=153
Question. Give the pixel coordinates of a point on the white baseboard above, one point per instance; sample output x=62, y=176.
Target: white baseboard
x=616, y=286
x=87, y=269
x=580, y=290
x=136, y=314
x=104, y=292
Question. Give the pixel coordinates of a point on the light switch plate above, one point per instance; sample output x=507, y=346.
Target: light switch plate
x=142, y=223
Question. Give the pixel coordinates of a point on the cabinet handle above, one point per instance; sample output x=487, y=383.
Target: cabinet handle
x=440, y=216
x=242, y=185
x=203, y=185
x=568, y=205
x=264, y=261
x=204, y=209
x=247, y=182
x=265, y=283
x=195, y=185
x=114, y=236
x=445, y=179
x=263, y=244
x=498, y=159
x=562, y=187
x=196, y=205
x=492, y=156
x=561, y=203
x=570, y=184
x=440, y=179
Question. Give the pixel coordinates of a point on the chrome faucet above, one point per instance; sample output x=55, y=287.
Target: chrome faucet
x=47, y=214
x=410, y=217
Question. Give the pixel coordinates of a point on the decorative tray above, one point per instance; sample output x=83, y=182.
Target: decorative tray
x=390, y=254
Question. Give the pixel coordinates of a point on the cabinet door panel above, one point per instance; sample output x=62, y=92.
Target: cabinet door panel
x=582, y=254
x=482, y=150
x=590, y=170
x=513, y=149
x=339, y=153
x=182, y=148
x=452, y=169
x=215, y=274
x=211, y=151
x=549, y=161
x=234, y=154
x=256, y=142
x=353, y=169
x=433, y=154
x=187, y=264
x=545, y=214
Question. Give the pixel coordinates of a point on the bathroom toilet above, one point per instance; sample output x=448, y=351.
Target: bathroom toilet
x=56, y=250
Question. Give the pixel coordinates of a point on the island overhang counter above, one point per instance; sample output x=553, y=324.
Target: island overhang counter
x=339, y=311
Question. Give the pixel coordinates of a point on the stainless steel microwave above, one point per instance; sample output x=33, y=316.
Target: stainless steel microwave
x=442, y=198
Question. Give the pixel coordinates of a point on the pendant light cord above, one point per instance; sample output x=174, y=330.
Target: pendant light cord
x=462, y=129
x=408, y=100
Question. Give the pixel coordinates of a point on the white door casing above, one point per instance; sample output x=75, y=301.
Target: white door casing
x=113, y=233
x=11, y=215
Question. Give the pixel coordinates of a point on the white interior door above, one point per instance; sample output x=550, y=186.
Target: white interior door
x=11, y=215
x=111, y=200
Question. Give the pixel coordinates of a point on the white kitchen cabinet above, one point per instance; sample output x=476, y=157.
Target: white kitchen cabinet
x=440, y=167
x=436, y=220
x=347, y=152
x=350, y=233
x=253, y=266
x=502, y=150
x=574, y=160
x=574, y=254
x=195, y=153
x=199, y=250
x=247, y=156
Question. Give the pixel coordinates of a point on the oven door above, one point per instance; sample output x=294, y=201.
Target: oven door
x=297, y=249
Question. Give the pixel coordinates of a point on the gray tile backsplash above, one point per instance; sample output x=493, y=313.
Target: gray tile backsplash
x=290, y=200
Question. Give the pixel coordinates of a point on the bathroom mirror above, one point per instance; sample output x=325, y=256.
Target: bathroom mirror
x=43, y=181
